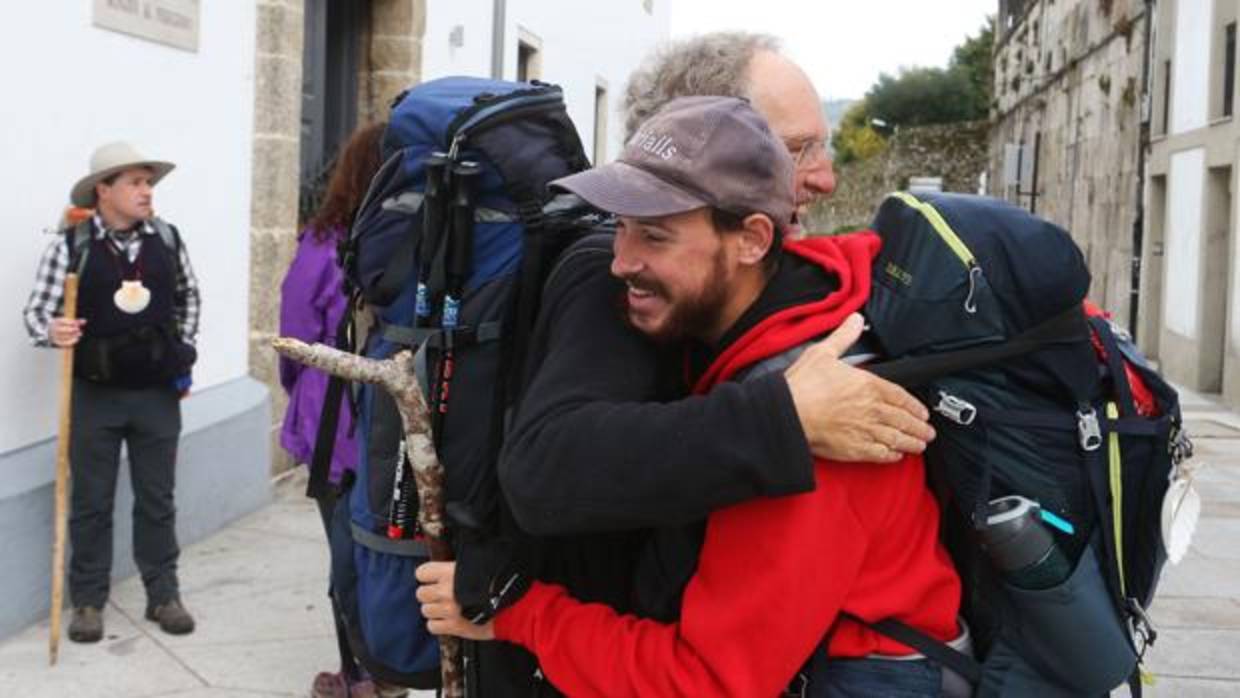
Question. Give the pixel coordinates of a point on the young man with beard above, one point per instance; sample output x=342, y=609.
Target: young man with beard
x=703, y=192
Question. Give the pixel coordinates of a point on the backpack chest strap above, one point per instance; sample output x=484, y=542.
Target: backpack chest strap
x=439, y=338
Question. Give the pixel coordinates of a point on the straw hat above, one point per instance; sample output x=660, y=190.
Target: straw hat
x=108, y=160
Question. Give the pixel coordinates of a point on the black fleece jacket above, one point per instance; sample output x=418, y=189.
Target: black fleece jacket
x=604, y=440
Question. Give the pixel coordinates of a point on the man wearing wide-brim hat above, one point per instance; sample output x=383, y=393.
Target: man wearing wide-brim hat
x=137, y=321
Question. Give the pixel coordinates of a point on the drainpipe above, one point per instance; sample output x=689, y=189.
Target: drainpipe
x=1138, y=223
x=497, y=39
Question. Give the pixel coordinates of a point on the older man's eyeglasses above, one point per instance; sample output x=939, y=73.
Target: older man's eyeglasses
x=808, y=153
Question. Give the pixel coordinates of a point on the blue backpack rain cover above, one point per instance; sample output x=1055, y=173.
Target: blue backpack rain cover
x=448, y=250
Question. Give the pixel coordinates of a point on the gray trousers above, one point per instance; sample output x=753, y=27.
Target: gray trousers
x=148, y=421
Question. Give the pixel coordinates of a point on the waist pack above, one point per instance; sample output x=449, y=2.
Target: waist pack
x=449, y=249
x=140, y=357
x=1031, y=395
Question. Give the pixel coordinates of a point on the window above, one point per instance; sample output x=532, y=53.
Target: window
x=525, y=56
x=1229, y=68
x=529, y=56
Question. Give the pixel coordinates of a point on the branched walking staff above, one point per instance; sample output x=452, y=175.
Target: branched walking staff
x=396, y=376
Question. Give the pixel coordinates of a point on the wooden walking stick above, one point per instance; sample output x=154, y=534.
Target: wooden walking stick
x=396, y=376
x=61, y=506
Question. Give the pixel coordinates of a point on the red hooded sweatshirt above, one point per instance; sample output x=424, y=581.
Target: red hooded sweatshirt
x=775, y=575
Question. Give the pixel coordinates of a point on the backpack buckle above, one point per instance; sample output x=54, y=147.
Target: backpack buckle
x=959, y=411
x=1179, y=446
x=1089, y=430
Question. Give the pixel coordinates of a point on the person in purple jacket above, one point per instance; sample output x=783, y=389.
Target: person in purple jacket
x=312, y=301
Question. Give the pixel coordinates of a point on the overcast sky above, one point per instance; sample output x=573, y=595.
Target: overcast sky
x=844, y=44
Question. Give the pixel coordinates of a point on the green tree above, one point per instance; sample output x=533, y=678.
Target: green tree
x=921, y=96
x=975, y=59
x=855, y=139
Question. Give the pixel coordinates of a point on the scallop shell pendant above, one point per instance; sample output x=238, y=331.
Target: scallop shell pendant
x=132, y=297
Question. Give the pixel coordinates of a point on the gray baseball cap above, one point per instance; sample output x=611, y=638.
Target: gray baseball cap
x=693, y=153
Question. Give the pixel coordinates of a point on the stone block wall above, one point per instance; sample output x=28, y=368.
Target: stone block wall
x=955, y=152
x=393, y=55
x=1071, y=72
x=273, y=206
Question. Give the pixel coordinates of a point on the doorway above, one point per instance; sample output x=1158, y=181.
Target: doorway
x=1216, y=277
x=330, y=67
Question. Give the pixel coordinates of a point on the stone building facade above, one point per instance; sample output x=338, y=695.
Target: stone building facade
x=1190, y=301
x=955, y=153
x=1067, y=135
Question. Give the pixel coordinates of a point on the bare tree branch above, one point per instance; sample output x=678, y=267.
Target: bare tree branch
x=396, y=376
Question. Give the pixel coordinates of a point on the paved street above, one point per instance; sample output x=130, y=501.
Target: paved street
x=257, y=589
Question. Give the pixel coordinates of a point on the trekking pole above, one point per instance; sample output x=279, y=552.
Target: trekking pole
x=460, y=250
x=433, y=202
x=62, y=477
x=396, y=376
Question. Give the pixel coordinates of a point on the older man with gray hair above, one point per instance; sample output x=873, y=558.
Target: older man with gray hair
x=748, y=65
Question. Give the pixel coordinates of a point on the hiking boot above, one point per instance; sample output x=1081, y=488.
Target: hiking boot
x=329, y=685
x=172, y=617
x=87, y=624
x=387, y=690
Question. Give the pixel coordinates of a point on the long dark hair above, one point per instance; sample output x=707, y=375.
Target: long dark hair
x=357, y=163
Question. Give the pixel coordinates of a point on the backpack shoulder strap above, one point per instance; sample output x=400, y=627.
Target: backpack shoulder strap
x=171, y=237
x=914, y=371
x=168, y=234
x=950, y=657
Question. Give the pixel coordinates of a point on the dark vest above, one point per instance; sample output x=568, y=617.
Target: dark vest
x=118, y=348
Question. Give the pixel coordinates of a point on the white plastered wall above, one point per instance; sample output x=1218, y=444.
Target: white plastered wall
x=583, y=45
x=1185, y=188
x=70, y=86
x=1190, y=66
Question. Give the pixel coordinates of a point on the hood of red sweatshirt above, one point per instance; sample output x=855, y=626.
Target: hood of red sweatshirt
x=848, y=258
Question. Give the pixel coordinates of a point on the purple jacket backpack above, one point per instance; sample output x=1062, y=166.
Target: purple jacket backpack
x=311, y=304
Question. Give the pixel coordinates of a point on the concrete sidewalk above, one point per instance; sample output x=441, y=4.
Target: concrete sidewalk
x=257, y=590
x=1197, y=610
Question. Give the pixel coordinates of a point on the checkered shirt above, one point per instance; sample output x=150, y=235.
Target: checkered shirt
x=47, y=297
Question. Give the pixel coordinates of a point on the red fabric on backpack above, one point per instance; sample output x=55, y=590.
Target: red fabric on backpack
x=1146, y=405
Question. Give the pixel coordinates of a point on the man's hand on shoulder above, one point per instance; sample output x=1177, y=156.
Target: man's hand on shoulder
x=849, y=414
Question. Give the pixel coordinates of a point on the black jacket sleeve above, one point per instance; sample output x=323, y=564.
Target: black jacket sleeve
x=590, y=448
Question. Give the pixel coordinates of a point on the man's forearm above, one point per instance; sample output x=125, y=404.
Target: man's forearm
x=611, y=466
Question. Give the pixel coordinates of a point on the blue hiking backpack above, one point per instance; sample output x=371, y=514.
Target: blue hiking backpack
x=449, y=251
x=1031, y=397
